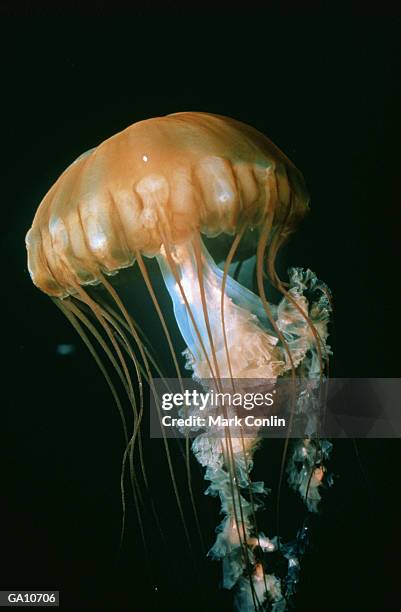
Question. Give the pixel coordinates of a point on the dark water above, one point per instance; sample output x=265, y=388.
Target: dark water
x=326, y=92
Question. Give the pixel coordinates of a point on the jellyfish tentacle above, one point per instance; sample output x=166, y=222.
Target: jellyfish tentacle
x=138, y=415
x=72, y=313
x=99, y=316
x=149, y=286
x=276, y=243
x=137, y=430
x=65, y=307
x=123, y=324
x=129, y=443
x=136, y=495
x=260, y=253
x=131, y=398
x=136, y=434
x=98, y=312
x=120, y=304
x=227, y=264
x=199, y=269
x=271, y=185
x=84, y=319
x=154, y=363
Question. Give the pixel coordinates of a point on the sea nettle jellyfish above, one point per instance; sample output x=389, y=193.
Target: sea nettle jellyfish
x=191, y=191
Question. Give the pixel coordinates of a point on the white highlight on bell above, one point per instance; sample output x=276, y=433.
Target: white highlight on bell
x=219, y=187
x=58, y=233
x=153, y=190
x=223, y=192
x=96, y=237
x=151, y=185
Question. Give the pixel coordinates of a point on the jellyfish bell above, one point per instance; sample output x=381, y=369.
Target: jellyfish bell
x=160, y=180
x=181, y=190
x=152, y=190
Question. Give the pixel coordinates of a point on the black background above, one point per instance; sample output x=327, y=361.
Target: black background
x=324, y=90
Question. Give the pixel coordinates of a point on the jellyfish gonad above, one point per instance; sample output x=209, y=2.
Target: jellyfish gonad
x=175, y=189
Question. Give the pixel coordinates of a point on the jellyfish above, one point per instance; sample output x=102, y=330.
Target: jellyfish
x=200, y=194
